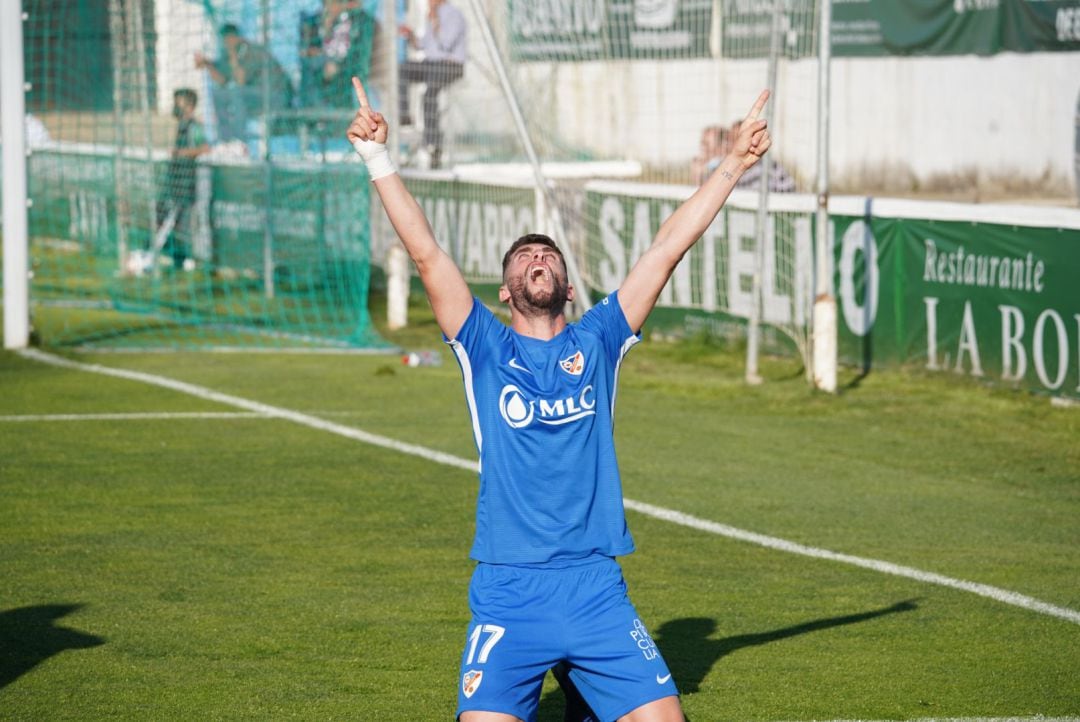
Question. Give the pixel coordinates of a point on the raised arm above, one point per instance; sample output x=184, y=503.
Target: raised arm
x=638, y=293
x=204, y=63
x=446, y=289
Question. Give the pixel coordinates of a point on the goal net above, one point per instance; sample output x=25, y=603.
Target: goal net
x=245, y=219
x=189, y=180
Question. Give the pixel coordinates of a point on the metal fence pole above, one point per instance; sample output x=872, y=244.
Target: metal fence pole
x=581, y=300
x=824, y=350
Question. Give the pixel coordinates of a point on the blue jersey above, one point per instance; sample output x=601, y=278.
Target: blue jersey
x=542, y=416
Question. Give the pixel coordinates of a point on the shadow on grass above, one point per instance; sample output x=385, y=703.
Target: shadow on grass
x=29, y=636
x=690, y=653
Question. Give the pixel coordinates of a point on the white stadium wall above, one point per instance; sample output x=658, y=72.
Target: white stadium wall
x=1005, y=115
x=182, y=31
x=895, y=121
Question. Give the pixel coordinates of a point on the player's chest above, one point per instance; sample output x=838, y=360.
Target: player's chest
x=552, y=390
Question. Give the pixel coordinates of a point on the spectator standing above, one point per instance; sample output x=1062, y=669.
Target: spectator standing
x=177, y=192
x=240, y=78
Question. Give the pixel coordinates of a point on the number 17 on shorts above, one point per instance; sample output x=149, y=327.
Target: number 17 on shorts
x=483, y=639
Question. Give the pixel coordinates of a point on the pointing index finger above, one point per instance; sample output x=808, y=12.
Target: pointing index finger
x=759, y=104
x=361, y=96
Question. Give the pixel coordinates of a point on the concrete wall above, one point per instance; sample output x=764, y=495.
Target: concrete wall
x=182, y=30
x=896, y=123
x=916, y=119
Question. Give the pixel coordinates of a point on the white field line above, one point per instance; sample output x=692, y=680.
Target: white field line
x=136, y=416
x=157, y=415
x=256, y=407
x=1036, y=718
x=983, y=590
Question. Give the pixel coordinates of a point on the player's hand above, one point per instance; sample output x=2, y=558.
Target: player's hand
x=367, y=124
x=752, y=140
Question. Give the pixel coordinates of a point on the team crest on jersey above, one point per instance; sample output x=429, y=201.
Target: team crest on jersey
x=471, y=682
x=574, y=365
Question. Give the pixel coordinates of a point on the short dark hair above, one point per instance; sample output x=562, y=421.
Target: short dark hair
x=527, y=239
x=187, y=94
x=229, y=29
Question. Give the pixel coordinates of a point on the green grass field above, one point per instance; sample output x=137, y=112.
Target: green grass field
x=236, y=566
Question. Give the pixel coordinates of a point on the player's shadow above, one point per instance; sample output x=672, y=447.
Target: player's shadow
x=690, y=653
x=30, y=635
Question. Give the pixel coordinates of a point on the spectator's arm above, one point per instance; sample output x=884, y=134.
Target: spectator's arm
x=193, y=152
x=204, y=63
x=410, y=37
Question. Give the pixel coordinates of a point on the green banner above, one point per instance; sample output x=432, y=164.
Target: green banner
x=73, y=199
x=717, y=273
x=954, y=27
x=994, y=301
x=319, y=213
x=551, y=30
x=318, y=218
x=748, y=27
x=669, y=29
x=989, y=292
x=280, y=251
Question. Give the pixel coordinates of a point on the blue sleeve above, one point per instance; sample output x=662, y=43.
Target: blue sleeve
x=607, y=321
x=482, y=329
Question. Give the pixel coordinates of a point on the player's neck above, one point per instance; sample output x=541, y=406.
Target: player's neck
x=541, y=327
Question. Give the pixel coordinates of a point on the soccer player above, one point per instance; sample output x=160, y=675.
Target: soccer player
x=546, y=589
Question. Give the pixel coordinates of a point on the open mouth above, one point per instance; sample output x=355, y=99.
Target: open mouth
x=537, y=272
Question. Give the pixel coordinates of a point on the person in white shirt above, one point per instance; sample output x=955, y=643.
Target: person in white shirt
x=443, y=46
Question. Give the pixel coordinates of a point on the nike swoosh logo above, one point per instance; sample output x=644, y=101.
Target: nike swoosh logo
x=662, y=680
x=515, y=365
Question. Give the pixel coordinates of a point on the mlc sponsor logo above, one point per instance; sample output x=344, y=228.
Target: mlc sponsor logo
x=518, y=411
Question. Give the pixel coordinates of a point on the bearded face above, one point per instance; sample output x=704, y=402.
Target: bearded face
x=536, y=283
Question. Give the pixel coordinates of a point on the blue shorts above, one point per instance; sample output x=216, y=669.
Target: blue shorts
x=525, y=620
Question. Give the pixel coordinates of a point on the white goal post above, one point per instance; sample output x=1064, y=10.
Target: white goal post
x=12, y=130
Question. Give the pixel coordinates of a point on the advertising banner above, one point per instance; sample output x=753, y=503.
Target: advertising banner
x=747, y=28
x=74, y=198
x=717, y=273
x=988, y=299
x=474, y=221
x=875, y=28
x=318, y=216
x=990, y=292
x=551, y=30
x=954, y=27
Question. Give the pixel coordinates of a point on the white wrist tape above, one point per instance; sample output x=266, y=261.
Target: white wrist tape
x=377, y=158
